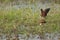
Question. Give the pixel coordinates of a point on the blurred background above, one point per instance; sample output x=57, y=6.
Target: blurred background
x=19, y=20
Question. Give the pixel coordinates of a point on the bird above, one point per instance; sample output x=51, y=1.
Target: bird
x=42, y=20
x=44, y=12
x=43, y=15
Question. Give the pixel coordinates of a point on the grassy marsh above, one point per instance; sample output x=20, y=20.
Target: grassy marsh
x=26, y=21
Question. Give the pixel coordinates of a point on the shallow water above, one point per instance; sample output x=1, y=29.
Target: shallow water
x=34, y=7
x=47, y=36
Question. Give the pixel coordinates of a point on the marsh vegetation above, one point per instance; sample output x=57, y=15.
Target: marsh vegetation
x=21, y=22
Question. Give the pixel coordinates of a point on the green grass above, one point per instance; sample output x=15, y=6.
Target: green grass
x=26, y=21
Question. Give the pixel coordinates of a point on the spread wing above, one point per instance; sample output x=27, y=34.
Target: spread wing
x=44, y=12
x=47, y=10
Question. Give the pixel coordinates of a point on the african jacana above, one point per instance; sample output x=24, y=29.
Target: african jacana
x=43, y=15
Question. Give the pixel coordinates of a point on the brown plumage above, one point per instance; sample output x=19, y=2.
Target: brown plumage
x=43, y=15
x=44, y=12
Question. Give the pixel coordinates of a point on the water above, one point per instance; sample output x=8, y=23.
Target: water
x=47, y=36
x=34, y=7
